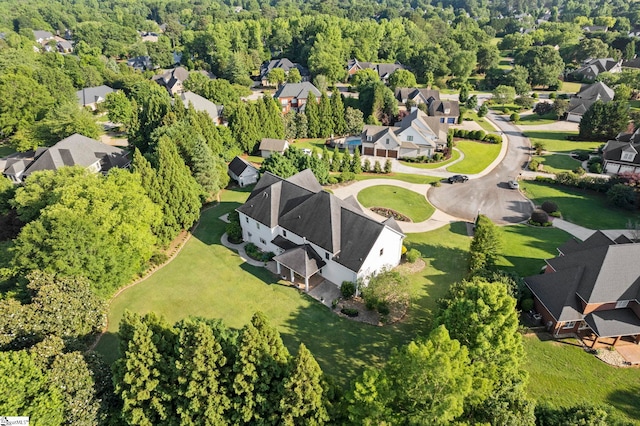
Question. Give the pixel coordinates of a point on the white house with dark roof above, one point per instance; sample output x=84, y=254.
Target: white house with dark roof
x=416, y=135
x=243, y=172
x=621, y=155
x=581, y=101
x=90, y=97
x=417, y=96
x=76, y=150
x=313, y=232
x=593, y=286
x=591, y=68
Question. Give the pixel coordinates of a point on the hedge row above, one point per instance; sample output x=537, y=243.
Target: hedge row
x=477, y=135
x=597, y=184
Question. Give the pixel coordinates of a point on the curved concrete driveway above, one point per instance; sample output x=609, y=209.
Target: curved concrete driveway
x=437, y=220
x=490, y=194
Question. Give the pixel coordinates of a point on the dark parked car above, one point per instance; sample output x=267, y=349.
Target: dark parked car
x=458, y=179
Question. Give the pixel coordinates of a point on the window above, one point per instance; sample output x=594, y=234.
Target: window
x=622, y=304
x=262, y=241
x=387, y=141
x=326, y=255
x=409, y=138
x=569, y=324
x=258, y=225
x=628, y=156
x=246, y=219
x=284, y=233
x=369, y=138
x=381, y=251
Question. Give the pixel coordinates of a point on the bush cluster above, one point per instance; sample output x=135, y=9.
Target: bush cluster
x=437, y=157
x=543, y=108
x=539, y=218
x=597, y=184
x=477, y=135
x=549, y=207
x=412, y=255
x=348, y=289
x=257, y=254
x=350, y=312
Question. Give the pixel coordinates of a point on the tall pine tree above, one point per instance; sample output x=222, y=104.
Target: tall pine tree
x=325, y=116
x=208, y=170
x=337, y=109
x=311, y=111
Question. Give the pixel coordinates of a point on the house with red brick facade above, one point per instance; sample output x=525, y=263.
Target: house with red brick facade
x=592, y=286
x=293, y=96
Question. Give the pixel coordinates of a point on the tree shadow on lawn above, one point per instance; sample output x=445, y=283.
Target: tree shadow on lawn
x=626, y=400
x=109, y=347
x=211, y=227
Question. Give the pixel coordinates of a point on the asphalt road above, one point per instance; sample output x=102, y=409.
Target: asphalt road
x=490, y=195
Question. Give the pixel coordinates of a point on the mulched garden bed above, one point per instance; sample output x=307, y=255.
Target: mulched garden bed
x=386, y=212
x=397, y=313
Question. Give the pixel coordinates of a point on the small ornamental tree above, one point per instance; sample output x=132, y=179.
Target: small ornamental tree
x=387, y=166
x=485, y=246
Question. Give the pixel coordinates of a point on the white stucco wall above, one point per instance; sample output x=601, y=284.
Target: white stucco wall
x=391, y=243
x=258, y=231
x=248, y=177
x=418, y=138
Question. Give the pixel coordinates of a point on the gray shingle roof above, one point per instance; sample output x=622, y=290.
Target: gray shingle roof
x=202, y=105
x=596, y=91
x=274, y=145
x=613, y=151
x=78, y=150
x=297, y=90
x=239, y=165
x=557, y=292
x=89, y=95
x=302, y=259
x=299, y=205
x=613, y=323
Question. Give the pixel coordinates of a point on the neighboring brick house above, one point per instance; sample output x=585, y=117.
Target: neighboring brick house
x=268, y=146
x=591, y=68
x=243, y=172
x=384, y=70
x=90, y=97
x=286, y=66
x=594, y=285
x=76, y=150
x=621, y=155
x=293, y=96
x=416, y=135
x=581, y=101
x=314, y=232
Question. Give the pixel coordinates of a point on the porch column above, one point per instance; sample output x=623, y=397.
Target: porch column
x=306, y=284
x=277, y=267
x=616, y=340
x=292, y=276
x=637, y=338
x=595, y=340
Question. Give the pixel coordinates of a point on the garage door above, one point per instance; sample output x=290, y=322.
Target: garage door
x=392, y=154
x=368, y=151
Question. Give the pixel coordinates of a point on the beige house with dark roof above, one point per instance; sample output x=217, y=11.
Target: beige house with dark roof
x=268, y=146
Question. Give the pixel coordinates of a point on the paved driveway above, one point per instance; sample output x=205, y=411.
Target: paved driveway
x=490, y=194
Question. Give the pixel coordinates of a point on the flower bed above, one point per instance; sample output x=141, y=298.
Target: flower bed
x=386, y=212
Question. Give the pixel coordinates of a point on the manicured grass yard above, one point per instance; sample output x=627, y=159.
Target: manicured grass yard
x=483, y=122
x=584, y=208
x=256, y=159
x=558, y=142
x=477, y=156
x=6, y=150
x=409, y=203
x=405, y=177
x=454, y=156
x=556, y=163
x=561, y=373
x=311, y=144
x=532, y=119
x=570, y=87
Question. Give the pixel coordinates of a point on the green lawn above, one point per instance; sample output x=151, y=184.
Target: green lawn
x=635, y=104
x=570, y=87
x=562, y=373
x=209, y=280
x=525, y=247
x=558, y=142
x=500, y=109
x=477, y=156
x=409, y=203
x=310, y=144
x=483, y=122
x=584, y=208
x=256, y=159
x=405, y=177
x=535, y=119
x=454, y=156
x=556, y=163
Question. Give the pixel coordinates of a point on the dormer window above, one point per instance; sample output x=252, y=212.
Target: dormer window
x=387, y=141
x=369, y=138
x=628, y=156
x=409, y=138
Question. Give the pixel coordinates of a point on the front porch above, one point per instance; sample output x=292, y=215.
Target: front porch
x=626, y=346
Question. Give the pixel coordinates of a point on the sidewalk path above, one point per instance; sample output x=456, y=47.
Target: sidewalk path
x=437, y=220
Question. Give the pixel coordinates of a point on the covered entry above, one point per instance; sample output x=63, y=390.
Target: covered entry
x=302, y=260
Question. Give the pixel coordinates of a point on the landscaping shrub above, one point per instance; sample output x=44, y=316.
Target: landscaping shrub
x=347, y=176
x=383, y=308
x=158, y=258
x=533, y=165
x=595, y=168
x=539, y=147
x=387, y=166
x=412, y=255
x=376, y=167
x=255, y=253
x=506, y=111
x=348, y=289
x=477, y=135
x=515, y=117
x=526, y=305
x=579, y=171
x=234, y=232
x=582, y=156
x=555, y=214
x=543, y=108
x=492, y=138
x=549, y=207
x=553, y=95
x=539, y=216
x=621, y=195
x=534, y=95
x=366, y=167
x=483, y=110
x=525, y=102
x=437, y=184
x=332, y=180
x=350, y=312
